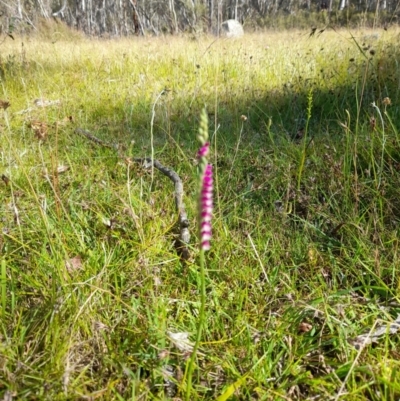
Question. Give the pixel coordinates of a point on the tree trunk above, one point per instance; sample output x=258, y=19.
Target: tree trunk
x=173, y=17
x=211, y=15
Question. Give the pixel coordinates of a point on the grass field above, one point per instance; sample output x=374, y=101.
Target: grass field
x=304, y=259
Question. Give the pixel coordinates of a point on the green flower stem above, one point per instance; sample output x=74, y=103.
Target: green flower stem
x=200, y=324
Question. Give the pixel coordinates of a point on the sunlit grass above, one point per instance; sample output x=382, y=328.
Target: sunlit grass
x=303, y=259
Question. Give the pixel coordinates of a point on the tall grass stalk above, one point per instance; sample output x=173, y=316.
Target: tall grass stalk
x=3, y=287
x=306, y=142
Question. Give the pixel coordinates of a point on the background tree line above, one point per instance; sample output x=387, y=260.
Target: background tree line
x=142, y=17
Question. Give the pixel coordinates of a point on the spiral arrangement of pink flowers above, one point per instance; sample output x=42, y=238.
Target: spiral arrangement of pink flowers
x=206, y=188
x=206, y=208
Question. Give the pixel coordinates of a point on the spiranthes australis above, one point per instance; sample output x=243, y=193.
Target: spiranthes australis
x=206, y=184
x=205, y=215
